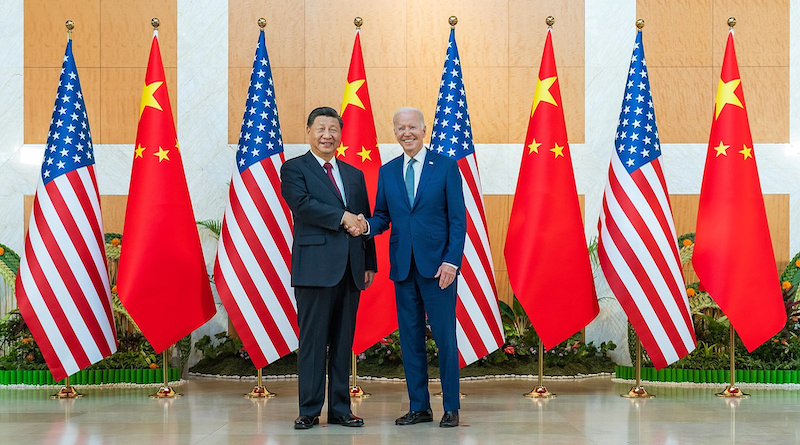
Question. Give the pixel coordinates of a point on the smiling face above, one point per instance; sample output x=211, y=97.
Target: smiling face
x=324, y=135
x=409, y=129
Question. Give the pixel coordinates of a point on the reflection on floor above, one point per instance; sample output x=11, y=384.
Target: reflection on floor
x=586, y=412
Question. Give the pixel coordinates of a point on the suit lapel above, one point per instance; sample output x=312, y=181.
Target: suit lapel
x=401, y=182
x=318, y=171
x=347, y=180
x=428, y=166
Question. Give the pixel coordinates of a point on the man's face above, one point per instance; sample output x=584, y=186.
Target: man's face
x=409, y=131
x=324, y=136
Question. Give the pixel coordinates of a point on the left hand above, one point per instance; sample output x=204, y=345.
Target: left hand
x=369, y=276
x=446, y=275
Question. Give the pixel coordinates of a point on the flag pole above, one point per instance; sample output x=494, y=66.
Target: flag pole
x=68, y=391
x=638, y=391
x=540, y=391
x=355, y=390
x=166, y=391
x=260, y=391
x=732, y=390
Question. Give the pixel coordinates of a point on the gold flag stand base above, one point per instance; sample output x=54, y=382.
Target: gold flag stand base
x=166, y=391
x=540, y=392
x=637, y=392
x=732, y=391
x=259, y=391
x=440, y=394
x=67, y=392
x=355, y=389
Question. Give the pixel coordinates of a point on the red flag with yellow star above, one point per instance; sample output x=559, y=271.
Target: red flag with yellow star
x=546, y=253
x=162, y=279
x=733, y=254
x=377, y=313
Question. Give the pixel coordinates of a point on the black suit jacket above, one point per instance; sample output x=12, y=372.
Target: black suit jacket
x=321, y=245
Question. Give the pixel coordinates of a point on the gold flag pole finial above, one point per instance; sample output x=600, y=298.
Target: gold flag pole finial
x=358, y=21
x=639, y=25
x=550, y=20
x=70, y=26
x=155, y=22
x=731, y=22
x=262, y=23
x=453, y=21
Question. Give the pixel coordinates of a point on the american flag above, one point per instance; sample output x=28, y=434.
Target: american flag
x=478, y=324
x=254, y=253
x=62, y=286
x=638, y=246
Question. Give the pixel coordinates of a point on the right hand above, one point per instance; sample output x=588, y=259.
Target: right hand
x=355, y=225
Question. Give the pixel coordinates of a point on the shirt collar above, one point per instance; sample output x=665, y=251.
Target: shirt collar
x=420, y=156
x=322, y=161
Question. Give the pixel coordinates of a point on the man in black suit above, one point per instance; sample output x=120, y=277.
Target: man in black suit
x=329, y=267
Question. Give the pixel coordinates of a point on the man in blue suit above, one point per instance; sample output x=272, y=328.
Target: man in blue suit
x=420, y=195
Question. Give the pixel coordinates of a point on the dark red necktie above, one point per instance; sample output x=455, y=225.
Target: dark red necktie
x=329, y=170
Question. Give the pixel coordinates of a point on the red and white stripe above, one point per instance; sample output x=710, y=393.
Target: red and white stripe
x=62, y=286
x=639, y=256
x=479, y=330
x=252, y=271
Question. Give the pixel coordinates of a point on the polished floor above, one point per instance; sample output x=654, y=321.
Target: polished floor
x=586, y=411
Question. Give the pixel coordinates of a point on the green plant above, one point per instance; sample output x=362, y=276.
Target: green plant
x=222, y=345
x=214, y=225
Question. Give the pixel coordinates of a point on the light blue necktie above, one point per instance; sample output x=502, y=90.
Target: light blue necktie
x=410, y=181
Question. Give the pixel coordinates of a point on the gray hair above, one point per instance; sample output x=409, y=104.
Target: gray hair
x=406, y=109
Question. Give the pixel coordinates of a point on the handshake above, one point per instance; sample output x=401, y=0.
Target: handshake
x=354, y=224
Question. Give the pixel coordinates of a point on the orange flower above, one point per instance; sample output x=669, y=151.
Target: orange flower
x=795, y=318
x=2, y=251
x=774, y=340
x=114, y=288
x=797, y=263
x=27, y=340
x=687, y=242
x=690, y=292
x=786, y=285
x=783, y=342
x=153, y=366
x=29, y=357
x=115, y=242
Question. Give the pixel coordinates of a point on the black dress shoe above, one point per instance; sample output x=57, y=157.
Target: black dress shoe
x=449, y=419
x=413, y=417
x=305, y=422
x=348, y=420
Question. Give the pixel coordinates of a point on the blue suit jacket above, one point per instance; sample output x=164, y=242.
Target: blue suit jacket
x=433, y=228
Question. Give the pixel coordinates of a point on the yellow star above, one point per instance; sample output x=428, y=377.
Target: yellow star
x=746, y=152
x=542, y=93
x=148, y=100
x=726, y=95
x=342, y=148
x=722, y=149
x=534, y=146
x=350, y=96
x=139, y=152
x=558, y=150
x=162, y=154
x=364, y=153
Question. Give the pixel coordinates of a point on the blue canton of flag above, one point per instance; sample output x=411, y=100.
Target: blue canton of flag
x=452, y=132
x=261, y=129
x=637, y=135
x=69, y=141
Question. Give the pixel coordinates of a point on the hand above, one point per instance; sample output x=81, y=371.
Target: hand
x=446, y=275
x=353, y=224
x=369, y=276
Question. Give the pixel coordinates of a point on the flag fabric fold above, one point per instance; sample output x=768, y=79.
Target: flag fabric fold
x=479, y=330
x=733, y=254
x=252, y=271
x=162, y=279
x=377, y=310
x=62, y=287
x=546, y=252
x=638, y=246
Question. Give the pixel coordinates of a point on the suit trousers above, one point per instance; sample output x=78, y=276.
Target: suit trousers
x=326, y=317
x=415, y=296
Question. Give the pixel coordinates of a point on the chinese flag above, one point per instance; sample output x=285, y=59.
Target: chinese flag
x=546, y=253
x=733, y=254
x=377, y=312
x=162, y=279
